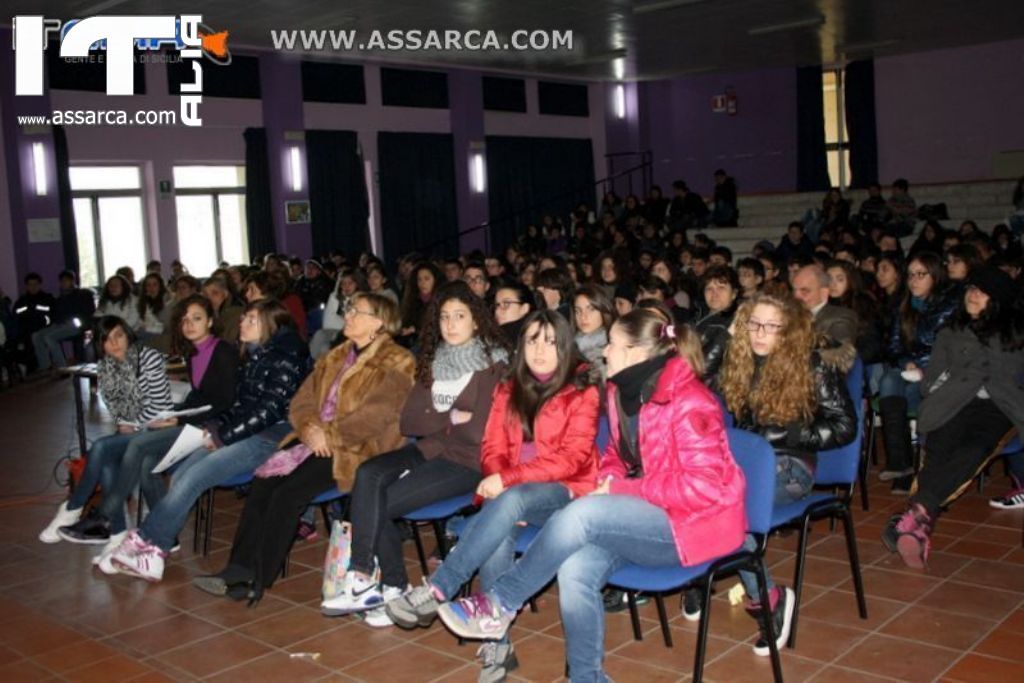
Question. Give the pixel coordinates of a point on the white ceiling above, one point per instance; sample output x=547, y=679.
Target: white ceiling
x=611, y=37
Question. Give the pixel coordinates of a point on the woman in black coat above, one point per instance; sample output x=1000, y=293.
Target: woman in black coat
x=973, y=395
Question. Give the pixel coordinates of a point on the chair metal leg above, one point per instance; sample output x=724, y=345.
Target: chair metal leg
x=769, y=623
x=666, y=632
x=209, y=522
x=533, y=605
x=851, y=549
x=442, y=543
x=702, y=630
x=327, y=518
x=798, y=576
x=634, y=615
x=419, y=547
x=872, y=451
x=198, y=525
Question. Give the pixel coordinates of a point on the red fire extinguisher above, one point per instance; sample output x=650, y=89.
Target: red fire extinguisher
x=730, y=101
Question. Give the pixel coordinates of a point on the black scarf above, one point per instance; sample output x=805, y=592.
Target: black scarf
x=635, y=385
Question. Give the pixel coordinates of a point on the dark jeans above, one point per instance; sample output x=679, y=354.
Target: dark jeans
x=956, y=451
x=271, y=516
x=387, y=488
x=142, y=455
x=101, y=467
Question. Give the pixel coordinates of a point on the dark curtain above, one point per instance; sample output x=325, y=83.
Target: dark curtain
x=417, y=194
x=68, y=236
x=529, y=177
x=811, y=157
x=338, y=204
x=859, y=94
x=259, y=212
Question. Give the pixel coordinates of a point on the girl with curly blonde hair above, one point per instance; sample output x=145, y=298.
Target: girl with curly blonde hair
x=776, y=385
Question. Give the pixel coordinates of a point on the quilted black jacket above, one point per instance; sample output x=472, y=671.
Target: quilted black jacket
x=270, y=377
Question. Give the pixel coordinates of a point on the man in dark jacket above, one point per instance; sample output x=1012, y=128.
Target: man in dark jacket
x=726, y=212
x=32, y=312
x=687, y=209
x=72, y=312
x=313, y=287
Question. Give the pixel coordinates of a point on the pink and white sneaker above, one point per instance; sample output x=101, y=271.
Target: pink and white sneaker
x=139, y=558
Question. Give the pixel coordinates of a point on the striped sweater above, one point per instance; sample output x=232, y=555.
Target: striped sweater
x=135, y=394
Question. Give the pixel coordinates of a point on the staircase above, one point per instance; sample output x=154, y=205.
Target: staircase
x=765, y=217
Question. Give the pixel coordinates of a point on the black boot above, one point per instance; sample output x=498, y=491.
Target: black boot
x=899, y=462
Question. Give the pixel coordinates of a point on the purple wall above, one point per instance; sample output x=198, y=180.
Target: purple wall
x=943, y=115
x=757, y=146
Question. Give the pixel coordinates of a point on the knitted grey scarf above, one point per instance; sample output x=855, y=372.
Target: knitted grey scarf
x=592, y=345
x=452, y=362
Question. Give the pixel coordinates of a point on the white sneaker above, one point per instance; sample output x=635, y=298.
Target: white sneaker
x=357, y=595
x=378, y=616
x=64, y=517
x=103, y=559
x=136, y=557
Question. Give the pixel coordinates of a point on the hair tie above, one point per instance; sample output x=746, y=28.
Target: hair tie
x=669, y=331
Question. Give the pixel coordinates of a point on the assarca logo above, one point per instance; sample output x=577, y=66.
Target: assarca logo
x=119, y=35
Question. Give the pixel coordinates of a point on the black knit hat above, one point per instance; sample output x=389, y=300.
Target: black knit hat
x=994, y=282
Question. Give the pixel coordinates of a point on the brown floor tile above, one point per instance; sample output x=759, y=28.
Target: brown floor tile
x=407, y=663
x=23, y=671
x=302, y=586
x=284, y=628
x=839, y=607
x=938, y=627
x=277, y=666
x=940, y=565
x=995, y=574
x=652, y=651
x=965, y=598
x=624, y=669
x=897, y=586
x=231, y=614
x=818, y=571
x=1014, y=622
x=903, y=659
x=824, y=641
x=75, y=655
x=116, y=668
x=161, y=636
x=1004, y=644
x=740, y=665
x=979, y=669
x=838, y=674
x=207, y=657
x=979, y=549
x=125, y=614
x=352, y=643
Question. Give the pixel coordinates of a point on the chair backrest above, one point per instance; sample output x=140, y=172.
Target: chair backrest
x=726, y=415
x=604, y=433
x=756, y=458
x=839, y=466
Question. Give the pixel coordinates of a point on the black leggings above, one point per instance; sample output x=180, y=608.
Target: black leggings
x=956, y=451
x=389, y=487
x=271, y=516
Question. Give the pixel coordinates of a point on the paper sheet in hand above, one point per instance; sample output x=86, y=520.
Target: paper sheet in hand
x=188, y=441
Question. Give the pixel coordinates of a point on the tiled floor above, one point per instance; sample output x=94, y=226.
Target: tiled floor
x=62, y=620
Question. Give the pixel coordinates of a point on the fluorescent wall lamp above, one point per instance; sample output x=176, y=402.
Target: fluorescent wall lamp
x=295, y=163
x=619, y=95
x=39, y=167
x=477, y=172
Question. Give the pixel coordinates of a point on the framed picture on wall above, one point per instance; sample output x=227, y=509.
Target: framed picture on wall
x=296, y=211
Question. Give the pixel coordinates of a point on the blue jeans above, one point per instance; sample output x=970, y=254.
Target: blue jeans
x=142, y=455
x=47, y=344
x=583, y=544
x=198, y=472
x=488, y=542
x=893, y=384
x=101, y=467
x=793, y=482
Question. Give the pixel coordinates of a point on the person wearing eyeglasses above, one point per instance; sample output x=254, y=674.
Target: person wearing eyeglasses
x=927, y=305
x=475, y=275
x=462, y=358
x=346, y=412
x=777, y=385
x=512, y=303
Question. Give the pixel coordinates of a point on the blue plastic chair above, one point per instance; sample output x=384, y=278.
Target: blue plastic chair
x=837, y=469
x=435, y=514
x=757, y=459
x=203, y=530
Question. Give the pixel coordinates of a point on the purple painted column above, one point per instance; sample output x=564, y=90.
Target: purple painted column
x=466, y=105
x=45, y=256
x=281, y=88
x=622, y=133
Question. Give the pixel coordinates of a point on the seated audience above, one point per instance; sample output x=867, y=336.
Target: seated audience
x=462, y=359
x=721, y=289
x=70, y=316
x=226, y=313
x=512, y=303
x=346, y=412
